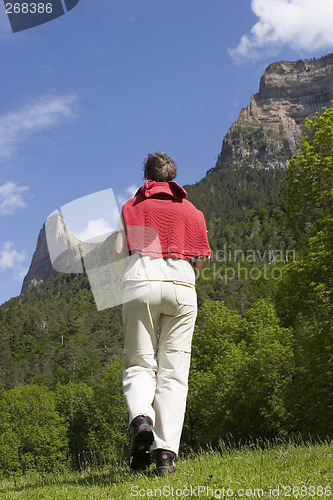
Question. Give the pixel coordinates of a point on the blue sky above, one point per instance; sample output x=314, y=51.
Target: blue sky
x=87, y=96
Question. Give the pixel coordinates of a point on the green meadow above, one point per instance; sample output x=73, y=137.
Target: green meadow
x=286, y=470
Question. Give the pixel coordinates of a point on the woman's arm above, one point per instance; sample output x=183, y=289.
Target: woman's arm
x=199, y=265
x=120, y=252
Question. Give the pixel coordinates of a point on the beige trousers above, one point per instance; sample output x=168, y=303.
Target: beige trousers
x=159, y=318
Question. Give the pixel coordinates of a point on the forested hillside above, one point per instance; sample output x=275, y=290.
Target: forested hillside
x=245, y=214
x=54, y=332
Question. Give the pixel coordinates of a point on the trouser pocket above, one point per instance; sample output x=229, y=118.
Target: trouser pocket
x=185, y=294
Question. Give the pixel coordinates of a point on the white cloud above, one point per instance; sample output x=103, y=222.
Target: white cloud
x=10, y=258
x=96, y=230
x=130, y=192
x=11, y=197
x=304, y=25
x=16, y=126
x=121, y=199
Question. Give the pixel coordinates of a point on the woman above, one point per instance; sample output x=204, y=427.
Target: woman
x=165, y=239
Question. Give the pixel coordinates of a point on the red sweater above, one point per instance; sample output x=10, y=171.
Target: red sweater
x=160, y=222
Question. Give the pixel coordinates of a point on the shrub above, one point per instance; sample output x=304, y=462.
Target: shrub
x=32, y=434
x=240, y=370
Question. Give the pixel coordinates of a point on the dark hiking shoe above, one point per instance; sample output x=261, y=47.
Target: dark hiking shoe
x=164, y=460
x=142, y=437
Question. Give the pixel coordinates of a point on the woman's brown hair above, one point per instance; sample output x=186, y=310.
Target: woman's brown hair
x=159, y=167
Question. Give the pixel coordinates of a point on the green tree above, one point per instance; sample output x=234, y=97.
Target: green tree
x=259, y=402
x=32, y=434
x=74, y=403
x=9, y=451
x=310, y=177
x=240, y=370
x=107, y=437
x=304, y=297
x=307, y=288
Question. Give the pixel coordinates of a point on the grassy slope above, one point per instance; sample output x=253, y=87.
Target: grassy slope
x=260, y=471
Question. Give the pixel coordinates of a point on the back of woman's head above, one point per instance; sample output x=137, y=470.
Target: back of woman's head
x=159, y=167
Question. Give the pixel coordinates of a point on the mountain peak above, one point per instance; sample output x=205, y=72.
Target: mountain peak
x=268, y=131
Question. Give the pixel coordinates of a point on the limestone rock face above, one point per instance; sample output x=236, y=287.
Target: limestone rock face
x=40, y=267
x=268, y=131
x=57, y=251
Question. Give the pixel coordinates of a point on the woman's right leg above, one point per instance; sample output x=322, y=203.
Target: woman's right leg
x=174, y=356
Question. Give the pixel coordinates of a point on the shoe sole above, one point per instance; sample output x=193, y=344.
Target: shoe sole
x=143, y=440
x=140, y=456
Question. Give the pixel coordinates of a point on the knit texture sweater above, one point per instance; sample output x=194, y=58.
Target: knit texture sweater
x=161, y=222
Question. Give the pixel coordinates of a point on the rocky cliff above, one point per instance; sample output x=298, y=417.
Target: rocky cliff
x=56, y=250
x=41, y=266
x=268, y=131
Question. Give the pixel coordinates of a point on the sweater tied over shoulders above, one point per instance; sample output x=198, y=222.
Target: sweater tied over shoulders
x=161, y=222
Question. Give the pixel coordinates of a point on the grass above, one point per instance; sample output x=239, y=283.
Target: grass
x=283, y=471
